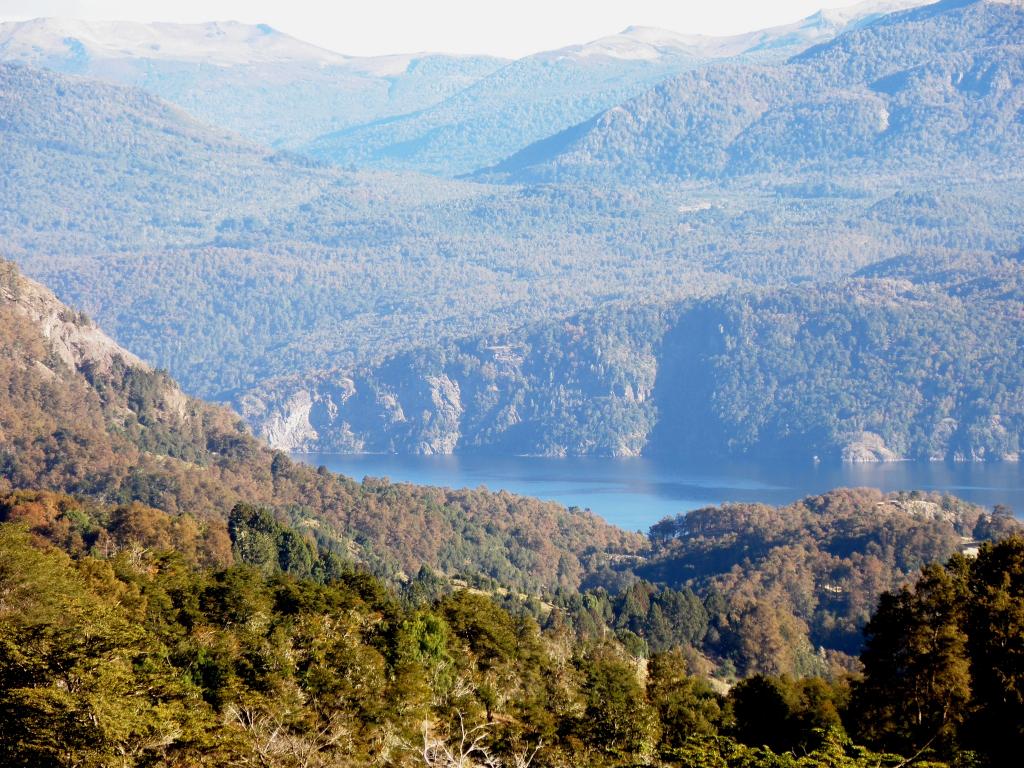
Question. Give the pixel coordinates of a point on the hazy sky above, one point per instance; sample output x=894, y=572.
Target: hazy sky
x=502, y=27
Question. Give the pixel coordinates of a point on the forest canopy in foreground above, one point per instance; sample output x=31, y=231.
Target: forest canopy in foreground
x=143, y=658
x=205, y=600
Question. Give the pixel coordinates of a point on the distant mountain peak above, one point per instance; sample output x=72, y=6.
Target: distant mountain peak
x=224, y=43
x=857, y=98
x=645, y=42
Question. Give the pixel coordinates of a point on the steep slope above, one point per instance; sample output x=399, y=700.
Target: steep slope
x=252, y=79
x=79, y=414
x=872, y=369
x=542, y=94
x=919, y=91
x=230, y=265
x=262, y=261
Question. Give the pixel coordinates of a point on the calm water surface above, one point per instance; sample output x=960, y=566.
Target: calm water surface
x=635, y=493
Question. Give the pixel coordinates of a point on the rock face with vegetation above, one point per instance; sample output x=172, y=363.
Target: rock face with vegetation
x=81, y=415
x=893, y=365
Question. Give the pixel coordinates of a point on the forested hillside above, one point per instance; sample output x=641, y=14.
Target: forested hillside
x=359, y=311
x=250, y=79
x=81, y=415
x=148, y=464
x=226, y=263
x=544, y=93
x=915, y=92
x=138, y=654
x=887, y=366
x=809, y=254
x=788, y=590
x=416, y=111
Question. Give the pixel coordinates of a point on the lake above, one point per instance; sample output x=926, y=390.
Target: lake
x=635, y=493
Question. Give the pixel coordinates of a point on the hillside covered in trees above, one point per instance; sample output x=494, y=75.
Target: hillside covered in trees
x=427, y=112
x=916, y=92
x=232, y=265
x=251, y=79
x=906, y=361
x=175, y=593
x=138, y=655
x=82, y=415
x=814, y=259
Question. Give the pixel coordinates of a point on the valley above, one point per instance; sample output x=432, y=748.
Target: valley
x=654, y=400
x=287, y=286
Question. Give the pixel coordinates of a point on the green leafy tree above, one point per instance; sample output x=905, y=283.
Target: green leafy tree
x=80, y=684
x=995, y=626
x=618, y=721
x=687, y=706
x=916, y=689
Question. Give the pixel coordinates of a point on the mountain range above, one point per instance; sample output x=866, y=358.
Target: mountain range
x=424, y=112
x=539, y=95
x=251, y=79
x=802, y=244
x=289, y=286
x=915, y=90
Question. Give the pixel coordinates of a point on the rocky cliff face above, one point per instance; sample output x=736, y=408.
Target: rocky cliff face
x=881, y=370
x=72, y=336
x=77, y=342
x=575, y=388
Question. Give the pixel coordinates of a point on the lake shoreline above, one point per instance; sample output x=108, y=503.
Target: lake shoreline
x=636, y=492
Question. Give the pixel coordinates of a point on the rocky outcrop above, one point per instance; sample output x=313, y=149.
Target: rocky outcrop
x=72, y=336
x=942, y=439
x=441, y=422
x=883, y=370
x=917, y=509
x=569, y=390
x=289, y=428
x=867, y=447
x=78, y=343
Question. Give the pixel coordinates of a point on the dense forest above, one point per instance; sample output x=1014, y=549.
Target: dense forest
x=175, y=593
x=916, y=91
x=270, y=263
x=906, y=361
x=133, y=652
x=81, y=414
x=814, y=259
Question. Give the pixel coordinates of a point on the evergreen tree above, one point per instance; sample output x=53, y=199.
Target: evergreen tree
x=996, y=630
x=916, y=690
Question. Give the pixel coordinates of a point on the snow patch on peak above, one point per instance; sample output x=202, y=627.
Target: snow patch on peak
x=225, y=43
x=649, y=43
x=219, y=43
x=633, y=43
x=863, y=12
